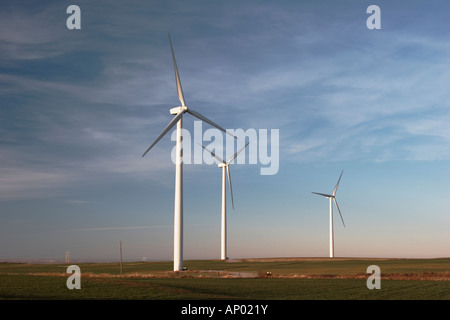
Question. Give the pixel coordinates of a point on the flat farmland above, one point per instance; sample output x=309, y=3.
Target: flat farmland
x=254, y=279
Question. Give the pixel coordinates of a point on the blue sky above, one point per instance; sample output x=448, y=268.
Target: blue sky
x=79, y=107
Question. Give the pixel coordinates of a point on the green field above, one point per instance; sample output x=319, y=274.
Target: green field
x=258, y=279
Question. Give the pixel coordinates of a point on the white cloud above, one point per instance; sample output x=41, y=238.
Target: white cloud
x=123, y=228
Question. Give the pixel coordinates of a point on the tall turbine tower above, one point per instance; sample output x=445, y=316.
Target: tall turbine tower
x=332, y=198
x=178, y=203
x=225, y=165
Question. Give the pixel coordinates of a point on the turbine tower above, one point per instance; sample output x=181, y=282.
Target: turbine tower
x=178, y=203
x=332, y=198
x=225, y=166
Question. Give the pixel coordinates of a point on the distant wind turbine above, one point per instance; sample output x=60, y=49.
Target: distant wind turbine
x=332, y=198
x=225, y=165
x=178, y=205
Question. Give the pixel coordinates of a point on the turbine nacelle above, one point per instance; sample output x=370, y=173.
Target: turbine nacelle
x=328, y=196
x=178, y=110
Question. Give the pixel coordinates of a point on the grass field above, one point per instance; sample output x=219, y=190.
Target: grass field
x=257, y=279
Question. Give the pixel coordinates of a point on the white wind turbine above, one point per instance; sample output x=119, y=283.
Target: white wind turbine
x=225, y=165
x=178, y=205
x=332, y=198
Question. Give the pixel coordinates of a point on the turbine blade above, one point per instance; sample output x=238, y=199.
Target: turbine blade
x=201, y=117
x=339, y=211
x=335, y=188
x=235, y=155
x=231, y=190
x=323, y=195
x=168, y=127
x=212, y=153
x=177, y=76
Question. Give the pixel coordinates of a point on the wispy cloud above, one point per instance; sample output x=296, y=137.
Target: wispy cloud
x=34, y=34
x=25, y=183
x=123, y=228
x=288, y=69
x=135, y=227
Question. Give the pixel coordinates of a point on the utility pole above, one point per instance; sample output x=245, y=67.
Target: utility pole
x=120, y=257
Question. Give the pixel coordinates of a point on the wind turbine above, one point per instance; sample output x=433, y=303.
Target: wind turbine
x=332, y=198
x=178, y=205
x=225, y=165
